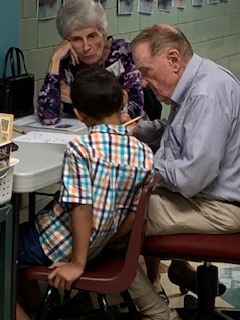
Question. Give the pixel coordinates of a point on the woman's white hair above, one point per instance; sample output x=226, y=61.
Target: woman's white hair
x=77, y=14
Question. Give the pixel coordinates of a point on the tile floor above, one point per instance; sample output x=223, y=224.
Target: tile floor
x=228, y=274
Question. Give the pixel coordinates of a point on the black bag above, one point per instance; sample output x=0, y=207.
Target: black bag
x=17, y=90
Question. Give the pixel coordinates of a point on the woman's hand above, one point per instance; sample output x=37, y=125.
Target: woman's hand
x=63, y=50
x=65, y=92
x=64, y=274
x=125, y=98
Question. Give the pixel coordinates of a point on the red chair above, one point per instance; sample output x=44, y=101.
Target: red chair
x=199, y=247
x=110, y=274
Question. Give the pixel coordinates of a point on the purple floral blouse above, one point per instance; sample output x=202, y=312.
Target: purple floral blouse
x=119, y=62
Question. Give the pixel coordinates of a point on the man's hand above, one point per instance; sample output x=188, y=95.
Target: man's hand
x=134, y=127
x=64, y=274
x=125, y=117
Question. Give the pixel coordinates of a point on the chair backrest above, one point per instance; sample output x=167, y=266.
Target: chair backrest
x=138, y=233
x=112, y=273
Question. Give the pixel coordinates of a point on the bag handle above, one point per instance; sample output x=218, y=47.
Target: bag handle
x=14, y=65
x=8, y=57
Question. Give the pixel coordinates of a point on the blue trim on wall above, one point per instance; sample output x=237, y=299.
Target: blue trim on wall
x=9, y=27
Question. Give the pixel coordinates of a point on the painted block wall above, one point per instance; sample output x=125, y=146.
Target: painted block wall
x=9, y=27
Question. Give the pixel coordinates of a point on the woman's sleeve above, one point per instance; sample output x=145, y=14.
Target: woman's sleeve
x=49, y=100
x=130, y=81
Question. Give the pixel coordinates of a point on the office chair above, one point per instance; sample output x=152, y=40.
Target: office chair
x=109, y=274
x=199, y=247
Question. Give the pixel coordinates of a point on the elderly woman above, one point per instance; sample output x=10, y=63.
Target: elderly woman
x=82, y=25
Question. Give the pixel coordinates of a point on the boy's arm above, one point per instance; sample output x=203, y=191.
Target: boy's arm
x=81, y=233
x=65, y=273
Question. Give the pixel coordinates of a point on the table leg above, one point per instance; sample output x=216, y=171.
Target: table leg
x=6, y=216
x=32, y=206
x=16, y=209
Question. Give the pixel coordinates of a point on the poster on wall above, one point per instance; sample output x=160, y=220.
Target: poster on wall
x=164, y=5
x=179, y=3
x=47, y=9
x=145, y=6
x=212, y=1
x=197, y=2
x=125, y=6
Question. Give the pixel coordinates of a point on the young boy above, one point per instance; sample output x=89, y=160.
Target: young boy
x=98, y=196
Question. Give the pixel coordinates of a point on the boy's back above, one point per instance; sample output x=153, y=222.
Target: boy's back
x=103, y=169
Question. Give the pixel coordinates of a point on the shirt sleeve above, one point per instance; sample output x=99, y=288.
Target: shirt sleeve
x=131, y=82
x=49, y=100
x=151, y=132
x=50, y=106
x=76, y=184
x=190, y=168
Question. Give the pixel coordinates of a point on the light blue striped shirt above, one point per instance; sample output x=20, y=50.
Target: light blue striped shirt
x=199, y=150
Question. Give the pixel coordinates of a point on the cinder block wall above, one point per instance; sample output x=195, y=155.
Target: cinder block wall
x=213, y=30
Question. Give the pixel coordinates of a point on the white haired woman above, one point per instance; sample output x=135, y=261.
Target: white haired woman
x=82, y=25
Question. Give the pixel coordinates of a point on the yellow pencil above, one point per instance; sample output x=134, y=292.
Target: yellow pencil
x=19, y=130
x=132, y=121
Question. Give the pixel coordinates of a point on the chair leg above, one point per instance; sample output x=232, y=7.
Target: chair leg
x=107, y=314
x=207, y=287
x=130, y=305
x=204, y=308
x=48, y=299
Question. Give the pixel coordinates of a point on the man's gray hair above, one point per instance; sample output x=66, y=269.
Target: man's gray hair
x=162, y=37
x=77, y=14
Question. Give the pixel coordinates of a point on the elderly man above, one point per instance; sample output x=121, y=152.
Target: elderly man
x=197, y=148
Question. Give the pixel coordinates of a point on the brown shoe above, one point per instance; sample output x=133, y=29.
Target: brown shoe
x=188, y=280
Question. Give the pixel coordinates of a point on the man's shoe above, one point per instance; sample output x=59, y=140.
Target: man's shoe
x=190, y=284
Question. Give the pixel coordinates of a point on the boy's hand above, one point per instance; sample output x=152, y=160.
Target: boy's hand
x=64, y=274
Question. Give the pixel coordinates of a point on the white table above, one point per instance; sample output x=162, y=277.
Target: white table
x=39, y=166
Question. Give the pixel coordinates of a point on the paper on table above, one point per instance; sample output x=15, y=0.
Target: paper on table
x=45, y=137
x=65, y=124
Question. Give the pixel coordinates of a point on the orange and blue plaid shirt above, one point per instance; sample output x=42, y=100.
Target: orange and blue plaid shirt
x=103, y=169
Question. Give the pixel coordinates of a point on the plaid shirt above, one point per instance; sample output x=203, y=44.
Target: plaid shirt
x=101, y=169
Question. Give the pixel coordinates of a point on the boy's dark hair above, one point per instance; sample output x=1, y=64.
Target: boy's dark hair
x=96, y=92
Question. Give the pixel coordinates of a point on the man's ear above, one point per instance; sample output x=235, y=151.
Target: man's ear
x=174, y=59
x=79, y=114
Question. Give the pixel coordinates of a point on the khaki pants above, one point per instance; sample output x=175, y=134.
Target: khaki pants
x=171, y=213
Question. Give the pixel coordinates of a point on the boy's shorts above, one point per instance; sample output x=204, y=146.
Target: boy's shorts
x=30, y=252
